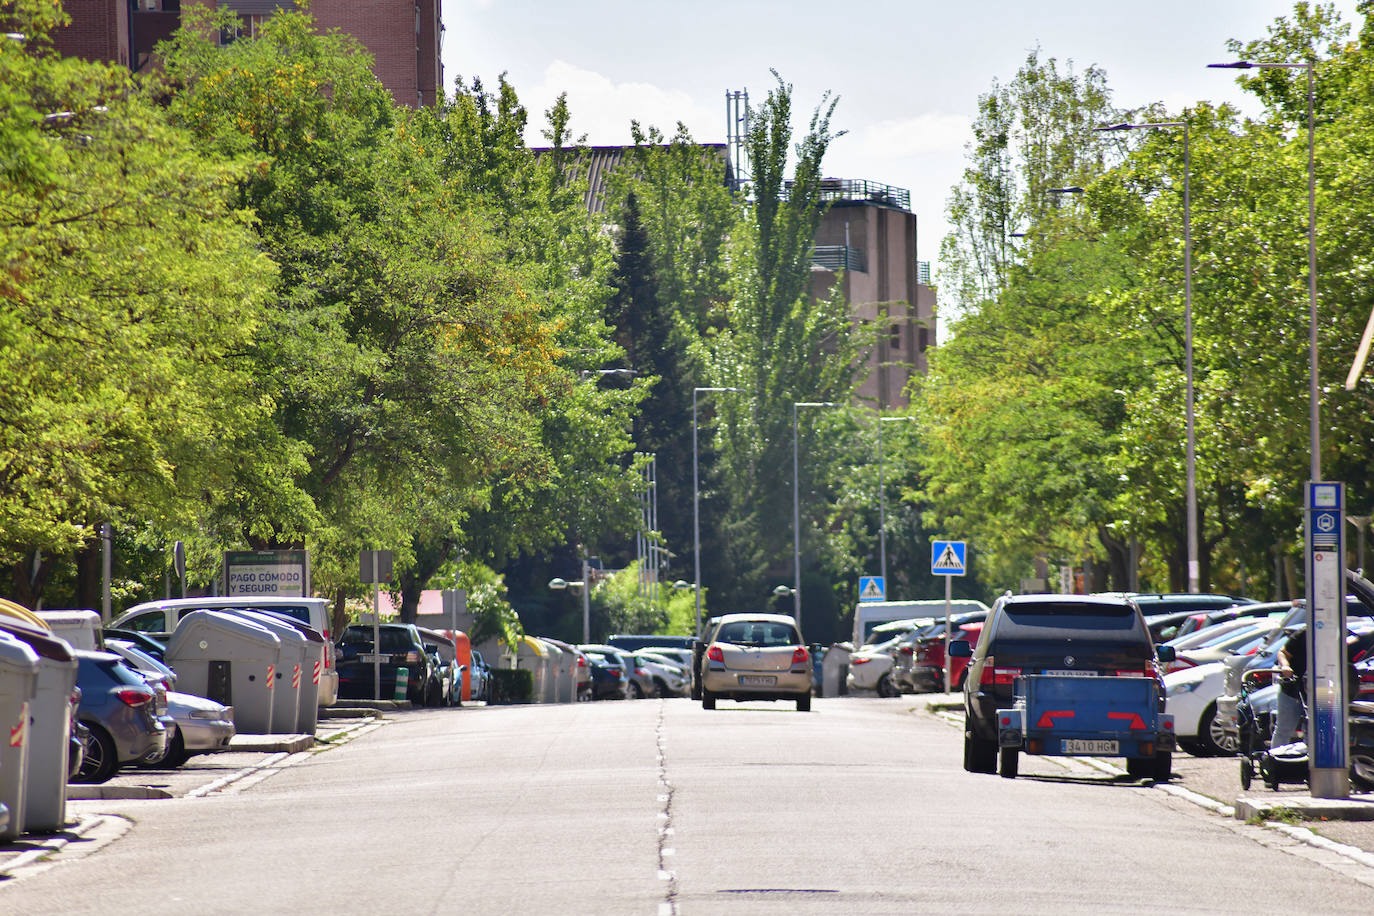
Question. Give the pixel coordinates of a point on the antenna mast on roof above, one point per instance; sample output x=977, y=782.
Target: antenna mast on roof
x=736, y=137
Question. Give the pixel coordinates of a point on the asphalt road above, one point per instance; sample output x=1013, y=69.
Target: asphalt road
x=659, y=807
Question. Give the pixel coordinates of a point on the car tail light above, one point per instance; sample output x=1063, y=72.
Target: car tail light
x=992, y=676
x=906, y=650
x=581, y=662
x=328, y=652
x=1132, y=672
x=715, y=654
x=1366, y=685
x=1179, y=664
x=799, y=656
x=133, y=696
x=615, y=672
x=860, y=661
x=412, y=656
x=640, y=672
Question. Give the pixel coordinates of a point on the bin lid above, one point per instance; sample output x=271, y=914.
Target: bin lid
x=268, y=619
x=198, y=623
x=80, y=628
x=534, y=647
x=44, y=645
x=9, y=608
x=16, y=656
x=283, y=630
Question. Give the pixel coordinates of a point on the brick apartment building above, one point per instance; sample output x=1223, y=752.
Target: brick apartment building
x=869, y=233
x=403, y=36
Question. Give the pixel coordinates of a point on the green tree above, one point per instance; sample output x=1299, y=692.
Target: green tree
x=130, y=287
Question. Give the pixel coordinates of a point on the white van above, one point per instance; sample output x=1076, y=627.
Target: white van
x=159, y=618
x=869, y=614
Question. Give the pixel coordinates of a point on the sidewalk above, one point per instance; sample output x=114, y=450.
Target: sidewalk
x=250, y=759
x=1214, y=783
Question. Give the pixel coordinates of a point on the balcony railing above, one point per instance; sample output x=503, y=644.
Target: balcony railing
x=837, y=257
x=833, y=190
x=923, y=273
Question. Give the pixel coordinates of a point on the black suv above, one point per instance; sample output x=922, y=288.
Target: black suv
x=1044, y=634
x=401, y=647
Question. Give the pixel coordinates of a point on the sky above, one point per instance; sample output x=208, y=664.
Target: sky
x=907, y=74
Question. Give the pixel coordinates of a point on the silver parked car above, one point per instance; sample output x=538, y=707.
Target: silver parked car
x=756, y=657
x=194, y=724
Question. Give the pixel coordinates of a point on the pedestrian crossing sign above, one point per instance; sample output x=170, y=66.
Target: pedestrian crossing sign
x=871, y=588
x=947, y=558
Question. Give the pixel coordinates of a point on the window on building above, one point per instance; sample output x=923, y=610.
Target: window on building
x=895, y=337
x=922, y=339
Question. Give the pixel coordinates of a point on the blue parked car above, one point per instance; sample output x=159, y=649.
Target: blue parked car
x=123, y=712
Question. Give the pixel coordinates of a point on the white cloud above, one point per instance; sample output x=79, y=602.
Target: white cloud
x=922, y=135
x=603, y=109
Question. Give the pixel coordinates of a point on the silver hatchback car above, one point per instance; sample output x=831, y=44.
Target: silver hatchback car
x=756, y=657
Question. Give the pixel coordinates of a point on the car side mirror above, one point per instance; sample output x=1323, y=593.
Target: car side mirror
x=1165, y=653
x=960, y=648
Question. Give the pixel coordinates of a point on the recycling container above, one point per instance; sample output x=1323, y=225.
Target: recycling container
x=50, y=728
x=231, y=660
x=18, y=682
x=79, y=628
x=306, y=676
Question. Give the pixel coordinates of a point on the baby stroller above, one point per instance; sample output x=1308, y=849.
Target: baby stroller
x=1287, y=763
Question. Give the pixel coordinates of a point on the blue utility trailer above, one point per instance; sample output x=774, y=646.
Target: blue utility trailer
x=1060, y=716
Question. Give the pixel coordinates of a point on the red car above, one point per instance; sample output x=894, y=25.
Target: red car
x=928, y=669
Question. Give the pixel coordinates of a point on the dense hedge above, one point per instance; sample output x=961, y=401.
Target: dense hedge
x=512, y=686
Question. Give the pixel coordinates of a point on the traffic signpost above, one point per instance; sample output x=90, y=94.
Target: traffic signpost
x=872, y=588
x=1326, y=662
x=374, y=566
x=948, y=559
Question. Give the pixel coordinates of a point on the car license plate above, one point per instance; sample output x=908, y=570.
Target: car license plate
x=1069, y=673
x=757, y=680
x=374, y=658
x=1088, y=746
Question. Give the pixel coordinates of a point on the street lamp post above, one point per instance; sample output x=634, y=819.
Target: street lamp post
x=696, y=505
x=796, y=508
x=586, y=585
x=1328, y=776
x=882, y=503
x=1190, y=498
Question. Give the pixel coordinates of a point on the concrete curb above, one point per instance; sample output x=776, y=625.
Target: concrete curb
x=90, y=792
x=34, y=860
x=1309, y=809
x=350, y=712
x=289, y=744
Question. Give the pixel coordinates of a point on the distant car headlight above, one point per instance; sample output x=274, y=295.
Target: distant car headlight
x=1184, y=687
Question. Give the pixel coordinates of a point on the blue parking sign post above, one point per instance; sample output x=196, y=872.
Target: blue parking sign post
x=948, y=559
x=1328, y=745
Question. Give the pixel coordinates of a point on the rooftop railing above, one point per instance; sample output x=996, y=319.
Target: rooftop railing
x=839, y=257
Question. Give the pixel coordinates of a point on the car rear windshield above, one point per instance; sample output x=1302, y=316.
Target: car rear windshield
x=758, y=633
x=392, y=640
x=1052, y=620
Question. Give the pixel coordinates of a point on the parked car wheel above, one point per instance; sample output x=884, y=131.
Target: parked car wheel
x=101, y=761
x=804, y=702
x=661, y=688
x=980, y=755
x=708, y=699
x=176, y=751
x=434, y=696
x=1212, y=738
x=1009, y=762
x=886, y=688
x=636, y=692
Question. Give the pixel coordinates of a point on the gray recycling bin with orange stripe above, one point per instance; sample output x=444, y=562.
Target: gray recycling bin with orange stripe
x=18, y=683
x=231, y=660
x=303, y=673
x=50, y=729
